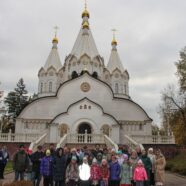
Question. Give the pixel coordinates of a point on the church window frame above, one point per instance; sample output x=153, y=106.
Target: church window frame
x=50, y=86
x=116, y=87
x=41, y=87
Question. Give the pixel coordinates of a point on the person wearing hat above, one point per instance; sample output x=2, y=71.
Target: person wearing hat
x=36, y=158
x=20, y=163
x=73, y=153
x=115, y=170
x=148, y=166
x=95, y=173
x=105, y=173
x=140, y=175
x=46, y=169
x=84, y=173
x=72, y=172
x=152, y=159
x=126, y=172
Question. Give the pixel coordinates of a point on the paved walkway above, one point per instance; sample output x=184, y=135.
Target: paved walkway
x=171, y=179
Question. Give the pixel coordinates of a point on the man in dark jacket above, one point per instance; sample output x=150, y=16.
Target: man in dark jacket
x=36, y=160
x=20, y=163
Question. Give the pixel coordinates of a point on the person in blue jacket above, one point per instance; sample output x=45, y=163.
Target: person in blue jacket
x=46, y=169
x=115, y=170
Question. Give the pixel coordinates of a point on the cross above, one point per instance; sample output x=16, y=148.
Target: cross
x=114, y=33
x=85, y=4
x=56, y=28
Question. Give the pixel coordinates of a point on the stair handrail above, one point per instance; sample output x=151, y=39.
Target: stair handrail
x=39, y=141
x=62, y=141
x=110, y=143
x=132, y=143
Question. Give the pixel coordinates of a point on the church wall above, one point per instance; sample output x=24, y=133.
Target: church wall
x=48, y=108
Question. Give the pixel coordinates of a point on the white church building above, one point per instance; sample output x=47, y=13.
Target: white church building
x=83, y=100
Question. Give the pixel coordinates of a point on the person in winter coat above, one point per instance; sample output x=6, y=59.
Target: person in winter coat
x=46, y=169
x=30, y=166
x=140, y=175
x=36, y=160
x=73, y=153
x=114, y=172
x=84, y=173
x=133, y=160
x=120, y=157
x=160, y=168
x=20, y=163
x=126, y=172
x=105, y=173
x=147, y=165
x=3, y=161
x=152, y=159
x=95, y=173
x=72, y=172
x=59, y=166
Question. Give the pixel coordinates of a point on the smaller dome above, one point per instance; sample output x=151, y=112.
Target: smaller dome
x=85, y=13
x=114, y=42
x=85, y=25
x=55, y=40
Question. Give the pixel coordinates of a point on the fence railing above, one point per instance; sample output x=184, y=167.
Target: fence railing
x=62, y=141
x=85, y=138
x=18, y=137
x=153, y=139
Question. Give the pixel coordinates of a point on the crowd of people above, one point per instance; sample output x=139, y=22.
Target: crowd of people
x=84, y=167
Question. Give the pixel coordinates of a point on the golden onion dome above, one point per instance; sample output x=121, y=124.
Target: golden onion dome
x=55, y=40
x=114, y=42
x=85, y=13
x=86, y=25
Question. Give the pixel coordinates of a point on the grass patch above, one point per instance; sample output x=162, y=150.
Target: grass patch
x=177, y=164
x=9, y=167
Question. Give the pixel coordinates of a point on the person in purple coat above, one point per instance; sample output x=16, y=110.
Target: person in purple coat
x=46, y=169
x=115, y=170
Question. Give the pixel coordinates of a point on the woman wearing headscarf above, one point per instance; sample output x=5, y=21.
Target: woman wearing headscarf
x=160, y=163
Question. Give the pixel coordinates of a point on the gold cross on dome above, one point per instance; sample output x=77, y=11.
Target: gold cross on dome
x=114, y=33
x=56, y=28
x=85, y=4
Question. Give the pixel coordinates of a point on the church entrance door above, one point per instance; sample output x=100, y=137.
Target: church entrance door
x=84, y=128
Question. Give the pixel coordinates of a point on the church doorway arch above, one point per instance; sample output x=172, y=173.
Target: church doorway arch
x=84, y=128
x=105, y=130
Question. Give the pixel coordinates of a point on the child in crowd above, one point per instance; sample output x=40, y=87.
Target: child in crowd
x=46, y=169
x=114, y=172
x=126, y=172
x=95, y=173
x=140, y=175
x=104, y=173
x=72, y=173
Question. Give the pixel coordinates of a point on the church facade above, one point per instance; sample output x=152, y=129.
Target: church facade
x=84, y=96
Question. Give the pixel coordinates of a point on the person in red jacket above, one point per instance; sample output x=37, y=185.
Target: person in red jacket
x=140, y=174
x=95, y=173
x=105, y=173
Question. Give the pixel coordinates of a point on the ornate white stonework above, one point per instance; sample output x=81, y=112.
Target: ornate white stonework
x=83, y=97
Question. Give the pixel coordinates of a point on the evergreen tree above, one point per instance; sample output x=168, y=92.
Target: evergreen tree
x=16, y=100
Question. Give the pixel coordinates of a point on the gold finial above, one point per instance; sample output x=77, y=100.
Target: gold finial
x=85, y=12
x=55, y=37
x=85, y=25
x=114, y=42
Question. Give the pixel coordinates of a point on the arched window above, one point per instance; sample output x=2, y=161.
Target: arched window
x=140, y=127
x=95, y=75
x=50, y=86
x=41, y=88
x=74, y=75
x=125, y=89
x=116, y=88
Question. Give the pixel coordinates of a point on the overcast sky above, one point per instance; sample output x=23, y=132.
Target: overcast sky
x=150, y=35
